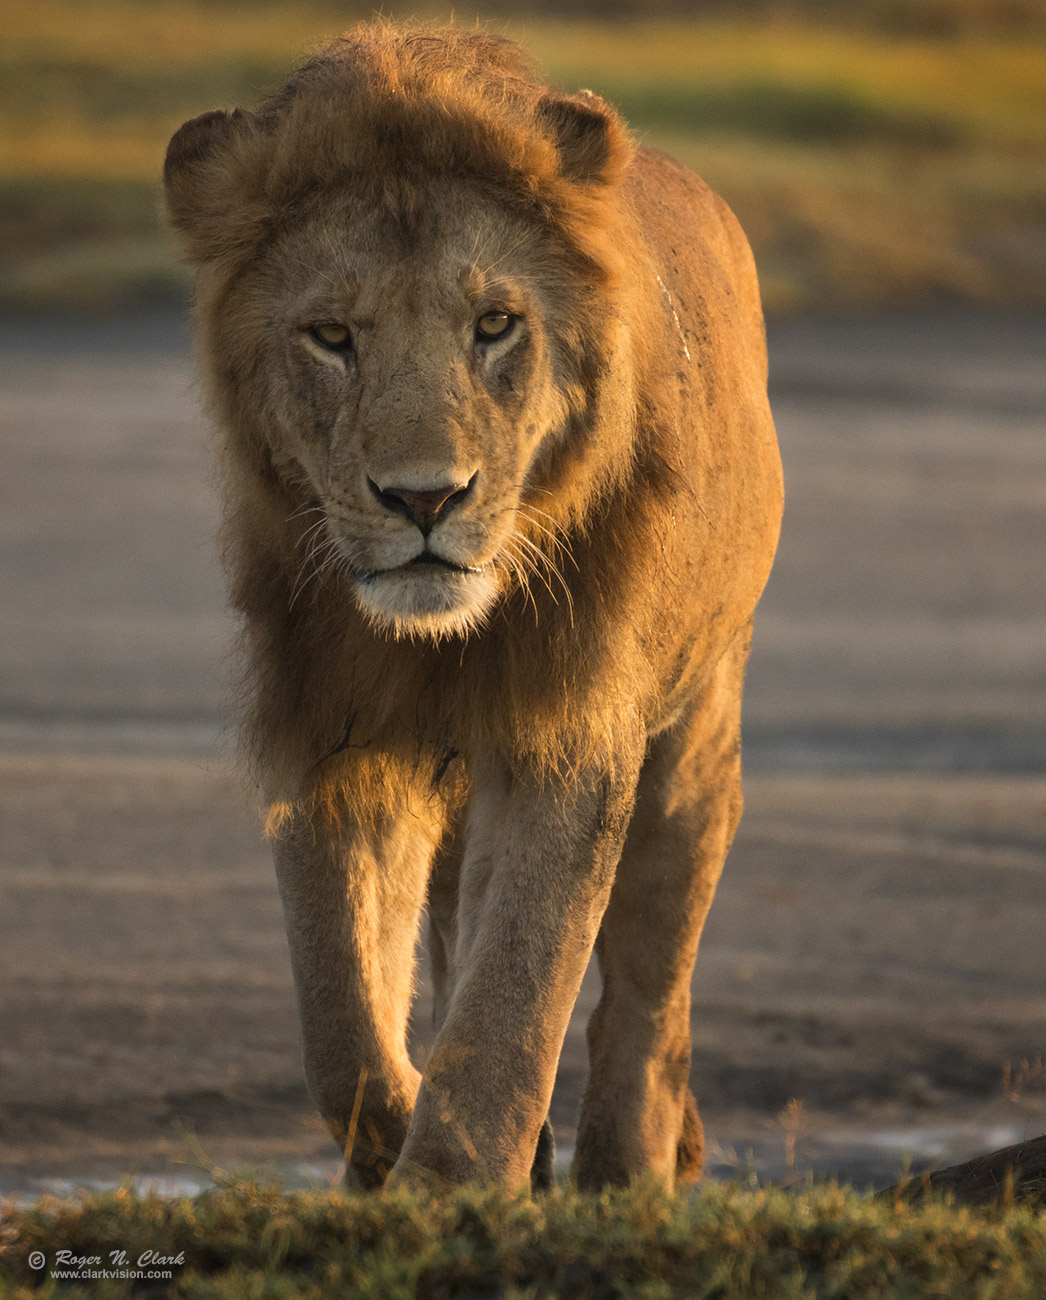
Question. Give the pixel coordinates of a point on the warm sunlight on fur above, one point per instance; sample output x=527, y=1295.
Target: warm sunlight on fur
x=502, y=492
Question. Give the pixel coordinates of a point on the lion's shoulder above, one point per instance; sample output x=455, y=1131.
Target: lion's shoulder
x=703, y=257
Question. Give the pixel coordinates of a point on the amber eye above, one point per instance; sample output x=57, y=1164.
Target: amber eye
x=494, y=325
x=330, y=335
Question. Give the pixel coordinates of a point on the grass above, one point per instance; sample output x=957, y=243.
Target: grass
x=867, y=166
x=250, y=1240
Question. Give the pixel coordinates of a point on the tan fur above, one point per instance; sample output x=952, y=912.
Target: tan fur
x=485, y=731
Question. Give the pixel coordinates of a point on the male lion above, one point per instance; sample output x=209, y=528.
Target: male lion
x=502, y=493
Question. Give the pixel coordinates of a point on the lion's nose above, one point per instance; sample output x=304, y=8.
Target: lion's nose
x=423, y=506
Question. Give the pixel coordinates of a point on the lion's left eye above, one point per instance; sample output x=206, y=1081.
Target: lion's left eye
x=494, y=325
x=333, y=336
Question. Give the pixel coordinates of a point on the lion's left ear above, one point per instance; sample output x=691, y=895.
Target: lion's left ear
x=594, y=147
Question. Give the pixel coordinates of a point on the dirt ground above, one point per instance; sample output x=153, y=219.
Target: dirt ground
x=872, y=980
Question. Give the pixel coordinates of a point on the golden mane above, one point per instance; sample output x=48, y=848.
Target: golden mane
x=385, y=111
x=388, y=109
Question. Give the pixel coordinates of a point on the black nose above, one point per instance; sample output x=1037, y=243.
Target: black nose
x=424, y=507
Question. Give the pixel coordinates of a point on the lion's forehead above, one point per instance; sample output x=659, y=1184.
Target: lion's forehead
x=467, y=249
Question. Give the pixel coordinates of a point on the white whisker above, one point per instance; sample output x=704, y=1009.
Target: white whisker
x=521, y=568
x=305, y=510
x=554, y=538
x=542, y=566
x=320, y=556
x=549, y=564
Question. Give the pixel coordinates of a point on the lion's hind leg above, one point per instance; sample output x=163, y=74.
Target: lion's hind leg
x=639, y=1114
x=690, y=1149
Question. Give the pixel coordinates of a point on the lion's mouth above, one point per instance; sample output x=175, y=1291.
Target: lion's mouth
x=428, y=595
x=425, y=560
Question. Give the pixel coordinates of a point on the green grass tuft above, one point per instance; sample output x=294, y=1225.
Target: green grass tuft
x=252, y=1240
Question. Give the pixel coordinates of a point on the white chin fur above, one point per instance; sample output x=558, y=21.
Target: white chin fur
x=432, y=602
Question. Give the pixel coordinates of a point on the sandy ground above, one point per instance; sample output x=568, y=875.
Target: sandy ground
x=873, y=975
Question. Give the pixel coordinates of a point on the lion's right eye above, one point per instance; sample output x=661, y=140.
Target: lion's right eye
x=333, y=337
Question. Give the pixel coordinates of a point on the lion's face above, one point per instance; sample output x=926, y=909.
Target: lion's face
x=409, y=381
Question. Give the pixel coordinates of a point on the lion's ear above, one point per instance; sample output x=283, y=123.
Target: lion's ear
x=594, y=147
x=195, y=181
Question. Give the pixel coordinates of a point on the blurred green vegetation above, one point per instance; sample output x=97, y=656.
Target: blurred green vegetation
x=933, y=18
x=877, y=152
x=256, y=1242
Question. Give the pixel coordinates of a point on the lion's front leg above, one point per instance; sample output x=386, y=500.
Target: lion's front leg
x=535, y=881
x=352, y=898
x=443, y=901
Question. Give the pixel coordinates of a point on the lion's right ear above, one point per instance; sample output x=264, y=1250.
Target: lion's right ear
x=197, y=183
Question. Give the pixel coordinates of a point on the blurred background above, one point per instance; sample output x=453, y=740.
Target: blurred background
x=877, y=151
x=872, y=982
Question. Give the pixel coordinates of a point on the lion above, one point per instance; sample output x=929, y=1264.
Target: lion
x=502, y=492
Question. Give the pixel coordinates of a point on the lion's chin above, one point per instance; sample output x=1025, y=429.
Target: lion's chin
x=427, y=600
